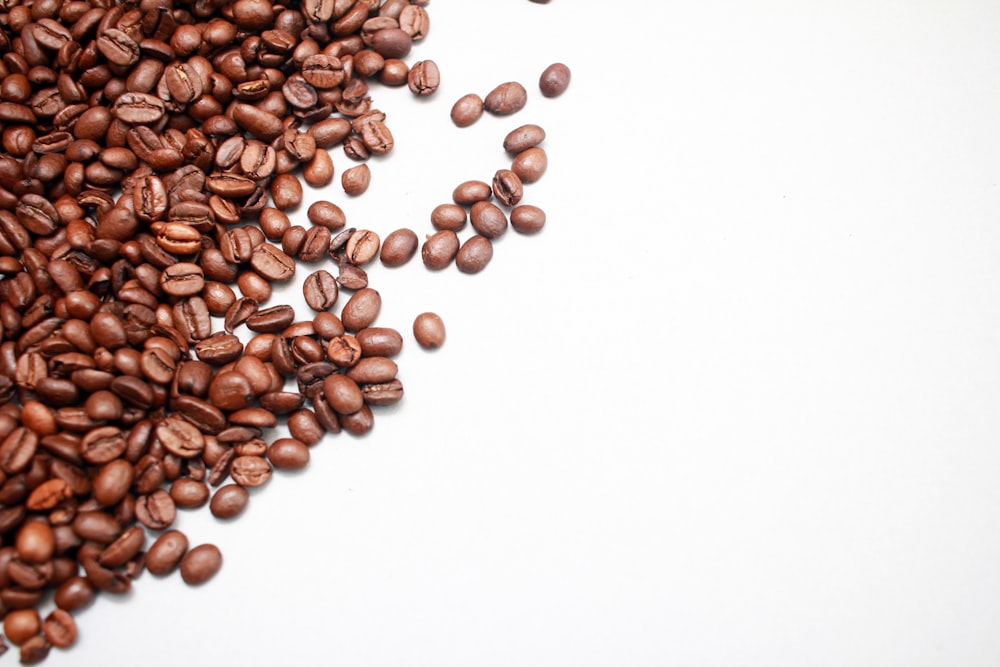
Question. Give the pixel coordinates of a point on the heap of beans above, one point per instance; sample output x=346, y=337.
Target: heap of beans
x=151, y=154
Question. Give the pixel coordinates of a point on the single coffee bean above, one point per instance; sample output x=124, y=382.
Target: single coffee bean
x=372, y=370
x=303, y=426
x=157, y=510
x=362, y=247
x=475, y=254
x=450, y=216
x=319, y=171
x=467, y=110
x=123, y=549
x=19, y=625
x=554, y=80
x=424, y=78
x=439, y=249
x=320, y=290
x=469, y=192
x=272, y=263
x=188, y=492
x=288, y=454
x=379, y=342
x=326, y=214
x=250, y=471
x=530, y=164
x=344, y=351
x=200, y=564
x=488, y=219
x=35, y=542
x=271, y=320
x=507, y=187
x=229, y=501
x=428, y=330
x=182, y=279
x=286, y=192
x=166, y=552
x=75, y=593
x=399, y=247
x=59, y=628
x=506, y=99
x=527, y=219
x=361, y=309
x=356, y=180
x=522, y=138
x=342, y=394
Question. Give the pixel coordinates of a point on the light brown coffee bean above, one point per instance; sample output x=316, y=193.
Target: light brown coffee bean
x=527, y=219
x=467, y=110
x=200, y=564
x=229, y=501
x=506, y=99
x=530, y=164
x=474, y=254
x=554, y=80
x=428, y=330
x=399, y=247
x=522, y=138
x=356, y=180
x=361, y=309
x=439, y=249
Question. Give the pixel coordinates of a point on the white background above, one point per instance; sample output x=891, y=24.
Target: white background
x=737, y=404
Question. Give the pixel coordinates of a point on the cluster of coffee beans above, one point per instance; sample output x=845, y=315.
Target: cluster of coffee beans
x=152, y=153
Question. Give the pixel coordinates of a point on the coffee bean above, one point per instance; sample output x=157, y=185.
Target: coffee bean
x=428, y=329
x=439, y=249
x=320, y=290
x=379, y=341
x=371, y=370
x=554, y=80
x=507, y=187
x=288, y=454
x=356, y=180
x=229, y=501
x=286, y=192
x=19, y=625
x=272, y=263
x=383, y=393
x=59, y=628
x=362, y=247
x=522, y=138
x=467, y=110
x=424, y=78
x=469, y=192
x=75, y=593
x=530, y=164
x=250, y=471
x=474, y=254
x=488, y=219
x=182, y=279
x=303, y=426
x=200, y=564
x=452, y=216
x=166, y=552
x=506, y=99
x=399, y=247
x=361, y=309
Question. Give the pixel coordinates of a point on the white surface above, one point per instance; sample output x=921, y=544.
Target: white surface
x=736, y=405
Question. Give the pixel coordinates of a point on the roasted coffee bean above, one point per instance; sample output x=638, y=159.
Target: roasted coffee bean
x=522, y=138
x=156, y=511
x=527, y=219
x=469, y=192
x=467, y=110
x=474, y=254
x=449, y=216
x=507, y=187
x=219, y=349
x=488, y=219
x=506, y=99
x=124, y=548
x=180, y=438
x=383, y=393
x=188, y=492
x=286, y=192
x=370, y=370
x=272, y=263
x=356, y=180
x=342, y=394
x=530, y=164
x=424, y=78
x=361, y=309
x=59, y=628
x=439, y=249
x=358, y=423
x=288, y=454
x=362, y=247
x=229, y=501
x=554, y=80
x=239, y=312
x=166, y=552
x=303, y=426
x=182, y=279
x=399, y=247
x=75, y=593
x=428, y=330
x=35, y=542
x=271, y=320
x=320, y=290
x=315, y=244
x=379, y=342
x=19, y=625
x=200, y=564
x=344, y=350
x=250, y=471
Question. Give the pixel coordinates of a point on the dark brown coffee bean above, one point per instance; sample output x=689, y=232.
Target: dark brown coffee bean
x=200, y=564
x=374, y=133
x=166, y=552
x=527, y=219
x=320, y=290
x=392, y=43
x=230, y=390
x=449, y=216
x=315, y=244
x=124, y=548
x=384, y=393
x=362, y=247
x=358, y=423
x=554, y=80
x=303, y=426
x=229, y=501
x=157, y=510
x=138, y=108
x=323, y=71
x=488, y=219
x=112, y=481
x=439, y=249
x=239, y=312
x=470, y=192
x=250, y=471
x=178, y=238
x=428, y=330
x=182, y=279
x=507, y=187
x=356, y=180
x=361, y=309
x=182, y=82
x=281, y=402
x=271, y=320
x=424, y=78
x=262, y=124
x=286, y=192
x=219, y=349
x=272, y=263
x=59, y=628
x=467, y=110
x=522, y=138
x=342, y=394
x=506, y=99
x=288, y=454
x=118, y=47
x=180, y=438
x=399, y=247
x=530, y=164
x=188, y=492
x=75, y=593
x=97, y=526
x=474, y=254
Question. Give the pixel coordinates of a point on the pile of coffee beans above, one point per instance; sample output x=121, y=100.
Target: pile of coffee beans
x=153, y=152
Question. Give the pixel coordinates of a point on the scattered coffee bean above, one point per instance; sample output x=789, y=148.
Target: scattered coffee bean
x=356, y=180
x=530, y=164
x=428, y=330
x=439, y=249
x=522, y=138
x=506, y=99
x=554, y=80
x=200, y=564
x=399, y=247
x=527, y=219
x=467, y=110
